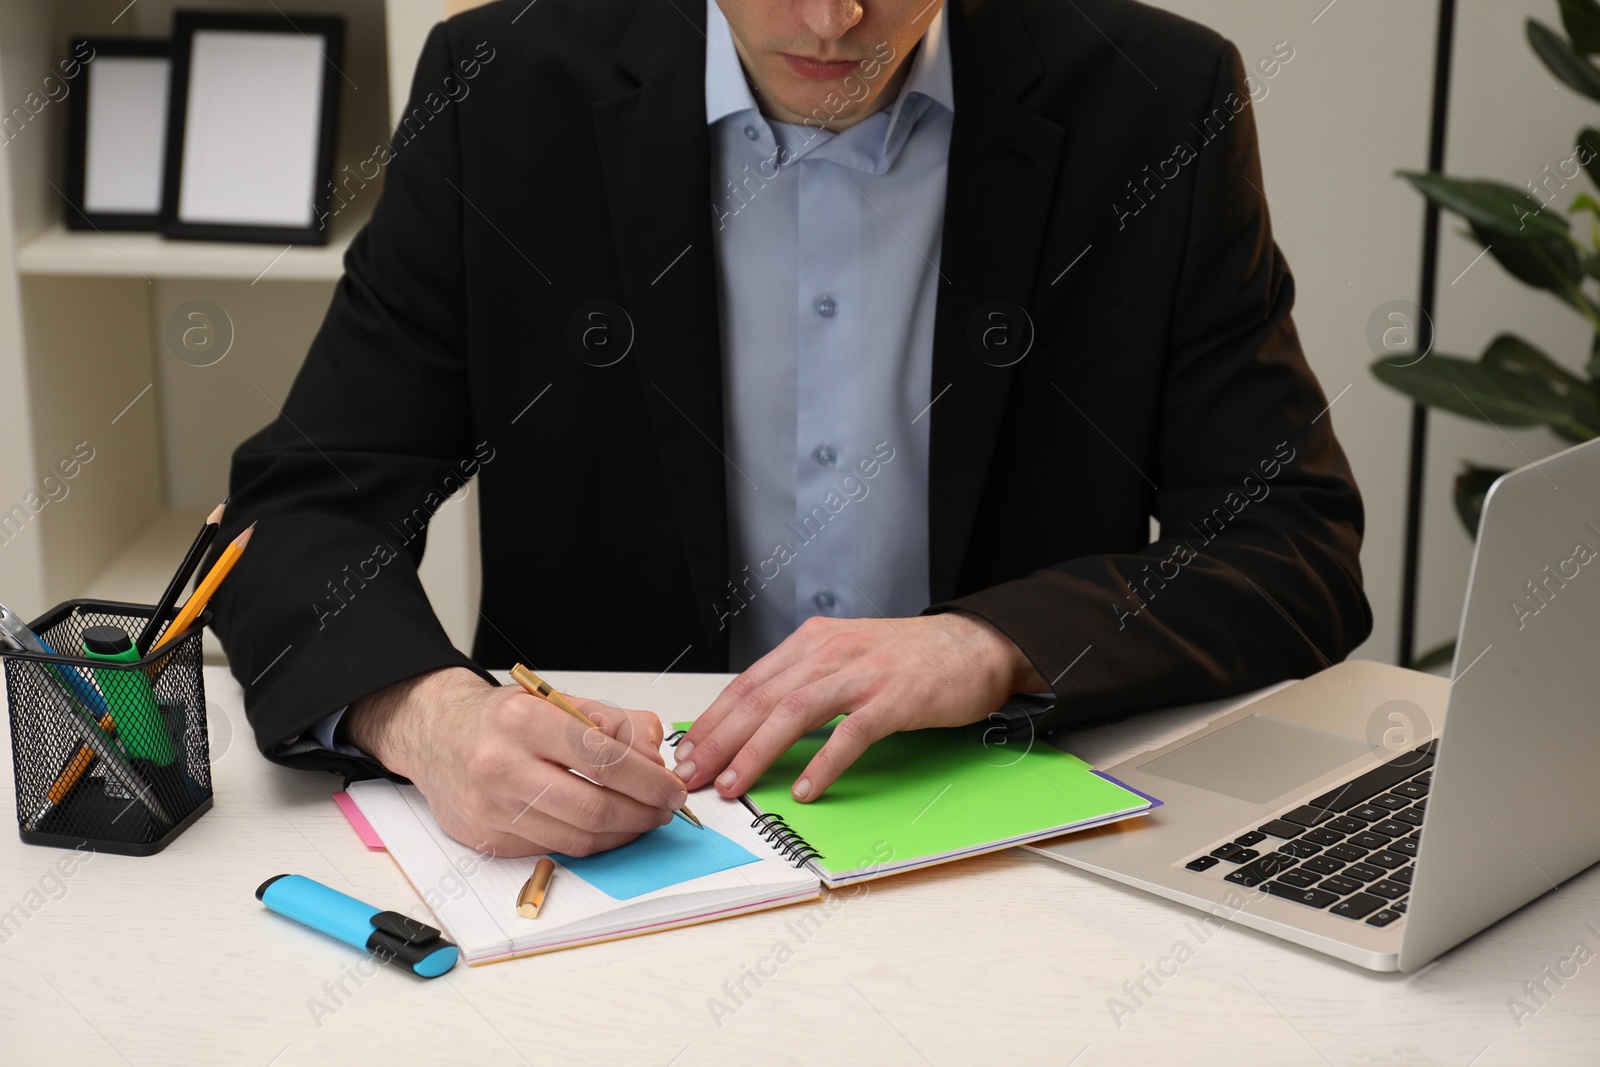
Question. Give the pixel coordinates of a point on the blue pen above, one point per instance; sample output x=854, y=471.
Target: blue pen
x=26, y=640
x=388, y=935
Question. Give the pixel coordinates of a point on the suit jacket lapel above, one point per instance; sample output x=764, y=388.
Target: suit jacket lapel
x=655, y=155
x=1001, y=183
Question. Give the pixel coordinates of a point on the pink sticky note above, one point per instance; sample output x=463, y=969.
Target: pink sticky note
x=358, y=821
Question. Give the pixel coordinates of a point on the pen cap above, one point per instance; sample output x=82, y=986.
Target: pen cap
x=415, y=944
x=110, y=642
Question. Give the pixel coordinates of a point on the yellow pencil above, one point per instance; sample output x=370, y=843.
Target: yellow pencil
x=206, y=589
x=538, y=687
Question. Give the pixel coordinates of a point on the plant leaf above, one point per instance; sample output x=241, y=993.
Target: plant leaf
x=1581, y=18
x=1588, y=152
x=1495, y=395
x=1564, y=62
x=1472, y=485
x=1589, y=261
x=1435, y=657
x=1509, y=350
x=1544, y=263
x=1494, y=206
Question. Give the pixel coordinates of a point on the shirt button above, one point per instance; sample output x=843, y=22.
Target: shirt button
x=824, y=601
x=825, y=456
x=752, y=133
x=827, y=307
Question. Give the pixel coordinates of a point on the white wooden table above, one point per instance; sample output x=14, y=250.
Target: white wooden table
x=1003, y=958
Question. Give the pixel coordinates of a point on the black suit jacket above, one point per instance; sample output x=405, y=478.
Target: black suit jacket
x=1165, y=377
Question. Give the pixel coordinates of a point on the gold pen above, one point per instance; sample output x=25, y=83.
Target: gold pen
x=531, y=899
x=538, y=687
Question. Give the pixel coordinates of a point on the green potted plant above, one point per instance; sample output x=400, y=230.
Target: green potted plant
x=1512, y=383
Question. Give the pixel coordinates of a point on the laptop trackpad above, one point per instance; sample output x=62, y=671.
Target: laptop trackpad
x=1257, y=759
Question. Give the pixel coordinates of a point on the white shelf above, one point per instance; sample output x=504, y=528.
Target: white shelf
x=140, y=572
x=60, y=251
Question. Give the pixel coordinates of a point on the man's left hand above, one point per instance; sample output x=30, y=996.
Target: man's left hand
x=883, y=675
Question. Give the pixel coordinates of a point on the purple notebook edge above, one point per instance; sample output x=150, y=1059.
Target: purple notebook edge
x=1155, y=802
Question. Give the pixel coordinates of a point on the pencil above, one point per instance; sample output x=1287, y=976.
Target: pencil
x=71, y=772
x=543, y=689
x=116, y=766
x=206, y=589
x=180, y=577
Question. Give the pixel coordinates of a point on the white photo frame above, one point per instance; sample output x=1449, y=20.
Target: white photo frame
x=252, y=120
x=116, y=152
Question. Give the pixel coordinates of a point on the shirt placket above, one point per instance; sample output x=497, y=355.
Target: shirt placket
x=827, y=344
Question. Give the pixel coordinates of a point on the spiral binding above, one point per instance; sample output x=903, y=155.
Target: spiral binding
x=772, y=829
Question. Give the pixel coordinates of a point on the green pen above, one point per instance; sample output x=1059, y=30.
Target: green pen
x=133, y=705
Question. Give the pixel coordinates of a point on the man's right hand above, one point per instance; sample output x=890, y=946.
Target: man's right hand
x=493, y=763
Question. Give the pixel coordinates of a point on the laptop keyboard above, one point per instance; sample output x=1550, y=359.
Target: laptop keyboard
x=1348, y=852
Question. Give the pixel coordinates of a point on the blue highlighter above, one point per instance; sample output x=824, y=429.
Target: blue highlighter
x=388, y=935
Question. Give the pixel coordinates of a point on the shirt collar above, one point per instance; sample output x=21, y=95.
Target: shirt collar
x=728, y=92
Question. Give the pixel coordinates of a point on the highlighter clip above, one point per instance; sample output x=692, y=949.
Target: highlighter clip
x=404, y=938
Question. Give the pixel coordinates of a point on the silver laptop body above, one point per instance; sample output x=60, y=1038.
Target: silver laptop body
x=1510, y=810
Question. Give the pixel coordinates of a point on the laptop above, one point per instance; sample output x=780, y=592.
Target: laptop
x=1383, y=815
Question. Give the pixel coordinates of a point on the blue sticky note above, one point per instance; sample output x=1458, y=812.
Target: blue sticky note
x=667, y=855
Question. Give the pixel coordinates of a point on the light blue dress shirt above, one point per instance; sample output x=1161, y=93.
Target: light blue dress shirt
x=827, y=249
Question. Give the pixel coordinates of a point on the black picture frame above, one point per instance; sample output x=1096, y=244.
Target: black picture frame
x=185, y=26
x=80, y=214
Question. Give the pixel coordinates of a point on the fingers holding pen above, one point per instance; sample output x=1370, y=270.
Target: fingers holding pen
x=639, y=730
x=605, y=760
x=597, y=754
x=511, y=774
x=524, y=791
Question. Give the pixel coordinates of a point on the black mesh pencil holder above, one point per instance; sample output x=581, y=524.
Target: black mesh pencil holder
x=110, y=751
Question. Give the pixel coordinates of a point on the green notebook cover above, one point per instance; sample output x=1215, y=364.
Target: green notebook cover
x=925, y=796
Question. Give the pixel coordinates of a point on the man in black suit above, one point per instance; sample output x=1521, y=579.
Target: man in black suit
x=1110, y=340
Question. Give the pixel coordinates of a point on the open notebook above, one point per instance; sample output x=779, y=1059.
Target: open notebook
x=913, y=800
x=674, y=876
x=930, y=796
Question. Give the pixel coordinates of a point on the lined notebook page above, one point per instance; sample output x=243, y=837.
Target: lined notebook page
x=474, y=897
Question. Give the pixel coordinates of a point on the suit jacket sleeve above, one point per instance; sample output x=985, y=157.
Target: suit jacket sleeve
x=1255, y=576
x=325, y=606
